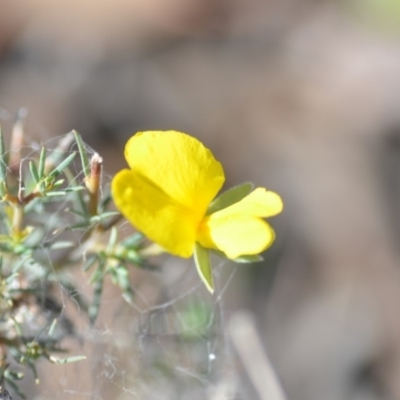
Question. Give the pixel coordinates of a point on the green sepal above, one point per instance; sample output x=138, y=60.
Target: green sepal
x=229, y=197
x=245, y=259
x=203, y=265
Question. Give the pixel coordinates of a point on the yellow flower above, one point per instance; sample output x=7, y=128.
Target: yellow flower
x=168, y=193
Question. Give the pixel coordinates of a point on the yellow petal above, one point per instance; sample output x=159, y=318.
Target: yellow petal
x=178, y=163
x=235, y=235
x=154, y=213
x=238, y=229
x=259, y=203
x=165, y=195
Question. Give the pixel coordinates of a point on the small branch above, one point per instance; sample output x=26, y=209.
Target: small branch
x=30, y=197
x=18, y=219
x=247, y=343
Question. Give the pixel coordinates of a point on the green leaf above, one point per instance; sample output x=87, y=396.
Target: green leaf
x=11, y=278
x=61, y=245
x=229, y=197
x=17, y=326
x=121, y=278
x=98, y=218
x=132, y=256
x=64, y=164
x=14, y=375
x=11, y=377
x=89, y=262
x=42, y=162
x=55, y=157
x=134, y=241
x=53, y=327
x=73, y=292
x=58, y=183
x=74, y=189
x=56, y=193
x=105, y=202
x=97, y=280
x=203, y=265
x=34, y=172
x=20, y=263
x=66, y=360
x=32, y=367
x=83, y=155
x=113, y=239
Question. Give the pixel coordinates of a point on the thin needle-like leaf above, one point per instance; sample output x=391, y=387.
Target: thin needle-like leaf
x=64, y=164
x=34, y=171
x=66, y=360
x=42, y=162
x=83, y=155
x=53, y=328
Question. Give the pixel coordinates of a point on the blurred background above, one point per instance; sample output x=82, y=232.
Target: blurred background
x=299, y=96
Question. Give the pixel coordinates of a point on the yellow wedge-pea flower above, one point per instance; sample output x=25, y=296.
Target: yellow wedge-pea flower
x=168, y=194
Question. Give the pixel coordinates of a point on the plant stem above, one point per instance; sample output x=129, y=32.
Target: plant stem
x=18, y=218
